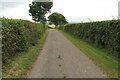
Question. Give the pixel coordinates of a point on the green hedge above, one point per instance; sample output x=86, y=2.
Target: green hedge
x=104, y=34
x=18, y=36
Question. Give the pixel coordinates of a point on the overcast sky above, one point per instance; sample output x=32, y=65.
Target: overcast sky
x=73, y=10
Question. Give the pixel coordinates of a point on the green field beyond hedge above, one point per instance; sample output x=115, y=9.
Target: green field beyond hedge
x=103, y=34
x=18, y=36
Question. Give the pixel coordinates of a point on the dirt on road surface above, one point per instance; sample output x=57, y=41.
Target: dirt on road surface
x=61, y=59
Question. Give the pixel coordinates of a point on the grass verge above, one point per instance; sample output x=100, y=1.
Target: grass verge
x=106, y=63
x=23, y=63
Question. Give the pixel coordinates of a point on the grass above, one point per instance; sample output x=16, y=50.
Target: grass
x=107, y=64
x=23, y=63
x=65, y=76
x=59, y=57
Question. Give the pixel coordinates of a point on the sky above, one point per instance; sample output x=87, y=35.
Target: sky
x=73, y=10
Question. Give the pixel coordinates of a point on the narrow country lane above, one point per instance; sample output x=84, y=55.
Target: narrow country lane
x=61, y=59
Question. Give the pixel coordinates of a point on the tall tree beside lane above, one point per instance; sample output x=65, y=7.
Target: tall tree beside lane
x=39, y=9
x=57, y=19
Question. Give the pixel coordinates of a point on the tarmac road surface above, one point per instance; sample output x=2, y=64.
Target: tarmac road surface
x=59, y=58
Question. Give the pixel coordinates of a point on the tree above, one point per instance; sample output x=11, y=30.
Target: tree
x=57, y=19
x=39, y=9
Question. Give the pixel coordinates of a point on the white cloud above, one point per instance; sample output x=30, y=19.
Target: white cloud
x=15, y=10
x=94, y=9
x=73, y=10
x=21, y=12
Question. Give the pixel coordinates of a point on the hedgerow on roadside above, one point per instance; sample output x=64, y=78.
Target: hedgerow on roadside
x=102, y=34
x=18, y=36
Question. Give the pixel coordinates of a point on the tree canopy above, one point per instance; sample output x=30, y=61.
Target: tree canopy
x=57, y=19
x=39, y=9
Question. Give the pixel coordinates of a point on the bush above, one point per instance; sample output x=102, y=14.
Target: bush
x=18, y=36
x=104, y=34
